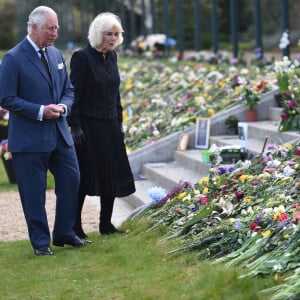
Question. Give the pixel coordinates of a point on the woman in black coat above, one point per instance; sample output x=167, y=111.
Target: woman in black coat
x=96, y=121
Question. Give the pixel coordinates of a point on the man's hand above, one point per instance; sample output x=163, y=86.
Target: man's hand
x=53, y=111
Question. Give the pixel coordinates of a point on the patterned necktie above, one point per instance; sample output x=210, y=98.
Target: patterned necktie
x=44, y=60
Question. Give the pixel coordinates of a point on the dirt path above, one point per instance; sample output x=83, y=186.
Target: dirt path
x=12, y=221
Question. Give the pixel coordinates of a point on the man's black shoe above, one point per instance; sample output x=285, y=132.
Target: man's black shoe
x=43, y=251
x=74, y=242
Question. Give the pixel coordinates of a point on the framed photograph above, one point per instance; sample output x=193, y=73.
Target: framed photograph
x=183, y=141
x=202, y=133
x=243, y=133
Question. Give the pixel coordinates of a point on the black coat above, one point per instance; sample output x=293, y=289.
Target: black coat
x=103, y=161
x=97, y=86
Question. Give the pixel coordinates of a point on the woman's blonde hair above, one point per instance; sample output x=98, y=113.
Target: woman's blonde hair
x=104, y=22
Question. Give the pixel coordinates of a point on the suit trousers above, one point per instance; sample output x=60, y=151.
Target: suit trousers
x=31, y=173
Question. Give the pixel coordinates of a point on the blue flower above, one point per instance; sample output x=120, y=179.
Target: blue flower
x=156, y=193
x=237, y=224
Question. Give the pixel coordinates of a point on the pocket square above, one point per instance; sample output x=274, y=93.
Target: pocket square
x=60, y=66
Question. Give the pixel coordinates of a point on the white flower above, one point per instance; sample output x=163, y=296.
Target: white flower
x=277, y=267
x=279, y=210
x=155, y=132
x=288, y=171
x=215, y=76
x=284, y=40
x=246, y=164
x=133, y=130
x=187, y=197
x=274, y=163
x=244, y=71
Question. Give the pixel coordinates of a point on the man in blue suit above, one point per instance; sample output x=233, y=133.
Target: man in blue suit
x=35, y=88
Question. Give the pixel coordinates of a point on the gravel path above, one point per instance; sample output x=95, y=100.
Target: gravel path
x=12, y=221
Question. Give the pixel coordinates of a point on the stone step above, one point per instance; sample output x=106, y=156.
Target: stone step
x=262, y=129
x=169, y=174
x=274, y=113
x=192, y=159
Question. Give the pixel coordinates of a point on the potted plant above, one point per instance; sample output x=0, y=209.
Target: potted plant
x=231, y=125
x=4, y=116
x=7, y=161
x=251, y=99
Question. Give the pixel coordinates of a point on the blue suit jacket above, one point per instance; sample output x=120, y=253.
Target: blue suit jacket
x=24, y=87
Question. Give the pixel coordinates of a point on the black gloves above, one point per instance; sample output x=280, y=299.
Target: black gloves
x=78, y=136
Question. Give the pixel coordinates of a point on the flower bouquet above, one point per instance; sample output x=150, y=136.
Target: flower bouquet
x=6, y=158
x=4, y=153
x=4, y=116
x=284, y=73
x=290, y=115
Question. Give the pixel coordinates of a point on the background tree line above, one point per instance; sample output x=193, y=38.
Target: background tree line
x=75, y=16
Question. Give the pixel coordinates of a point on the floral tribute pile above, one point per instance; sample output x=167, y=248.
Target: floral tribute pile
x=4, y=153
x=160, y=98
x=4, y=116
x=246, y=215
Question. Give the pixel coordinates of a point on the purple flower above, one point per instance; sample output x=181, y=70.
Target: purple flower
x=258, y=220
x=222, y=170
x=230, y=169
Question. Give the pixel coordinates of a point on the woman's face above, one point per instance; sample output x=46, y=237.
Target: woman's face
x=109, y=39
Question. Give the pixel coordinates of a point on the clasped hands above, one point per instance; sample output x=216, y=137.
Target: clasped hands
x=53, y=111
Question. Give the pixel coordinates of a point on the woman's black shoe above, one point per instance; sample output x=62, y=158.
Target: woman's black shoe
x=109, y=229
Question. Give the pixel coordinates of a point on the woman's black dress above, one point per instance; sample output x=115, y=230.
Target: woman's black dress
x=103, y=161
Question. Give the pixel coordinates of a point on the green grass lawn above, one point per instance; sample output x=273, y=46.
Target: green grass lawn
x=131, y=266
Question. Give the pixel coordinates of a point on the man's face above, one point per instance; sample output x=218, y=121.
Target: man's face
x=47, y=34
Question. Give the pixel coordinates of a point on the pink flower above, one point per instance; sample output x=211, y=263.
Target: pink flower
x=178, y=105
x=188, y=96
x=202, y=199
x=239, y=195
x=284, y=117
x=291, y=103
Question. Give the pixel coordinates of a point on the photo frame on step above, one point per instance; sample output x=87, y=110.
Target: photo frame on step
x=183, y=141
x=202, y=133
x=243, y=133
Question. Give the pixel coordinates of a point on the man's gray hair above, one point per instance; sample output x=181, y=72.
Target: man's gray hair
x=104, y=22
x=37, y=16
